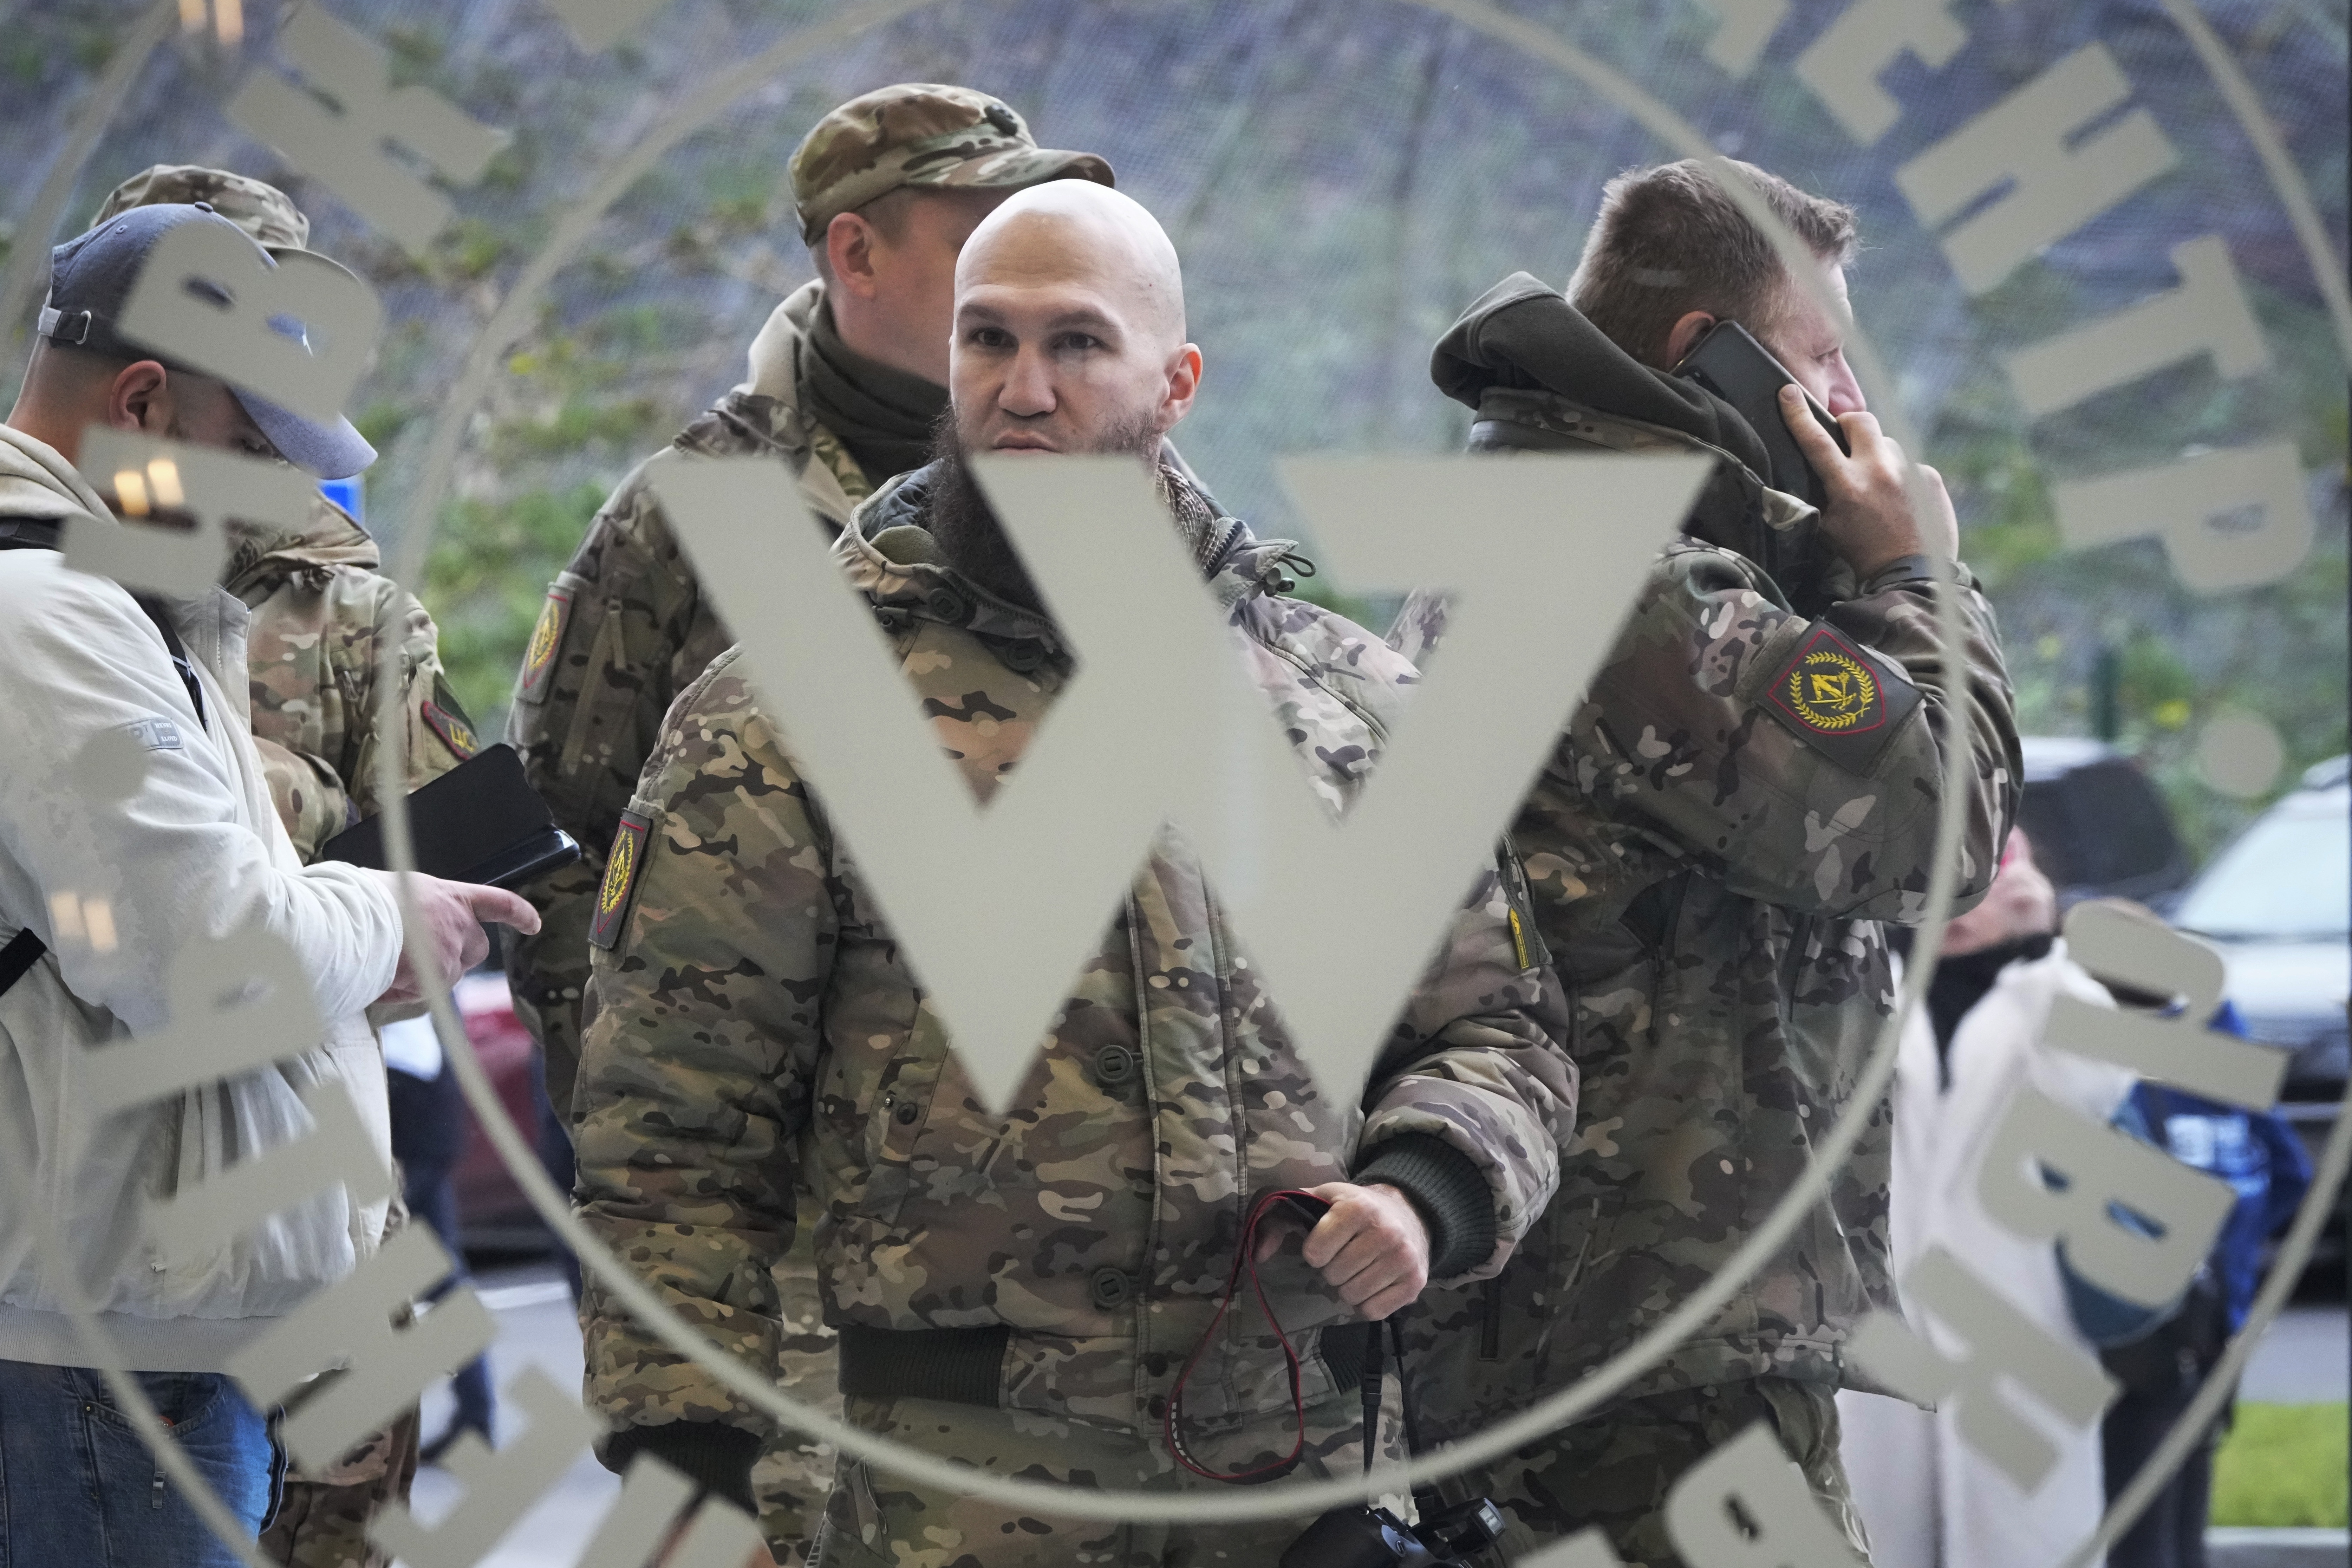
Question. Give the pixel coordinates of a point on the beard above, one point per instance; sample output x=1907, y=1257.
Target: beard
x=966, y=527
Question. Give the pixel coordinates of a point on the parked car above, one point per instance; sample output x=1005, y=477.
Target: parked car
x=2099, y=827
x=2277, y=901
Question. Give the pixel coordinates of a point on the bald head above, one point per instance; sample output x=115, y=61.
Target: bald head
x=1069, y=326
x=1076, y=232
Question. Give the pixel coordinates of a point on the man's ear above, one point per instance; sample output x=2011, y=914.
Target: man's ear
x=1685, y=335
x=140, y=398
x=849, y=247
x=1183, y=385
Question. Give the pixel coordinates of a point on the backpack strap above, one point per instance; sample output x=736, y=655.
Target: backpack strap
x=23, y=951
x=179, y=651
x=45, y=534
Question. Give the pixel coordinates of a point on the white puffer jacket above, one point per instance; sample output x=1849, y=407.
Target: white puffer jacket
x=114, y=887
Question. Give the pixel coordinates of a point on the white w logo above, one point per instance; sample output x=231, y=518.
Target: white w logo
x=1000, y=905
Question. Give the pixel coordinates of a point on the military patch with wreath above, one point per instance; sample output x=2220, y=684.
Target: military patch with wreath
x=546, y=637
x=1839, y=699
x=620, y=876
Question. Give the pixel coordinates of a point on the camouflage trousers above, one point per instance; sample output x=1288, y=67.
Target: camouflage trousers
x=1615, y=1471
x=321, y=1521
x=794, y=1472
x=875, y=1519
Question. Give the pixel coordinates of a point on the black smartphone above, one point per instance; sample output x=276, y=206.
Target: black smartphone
x=1729, y=362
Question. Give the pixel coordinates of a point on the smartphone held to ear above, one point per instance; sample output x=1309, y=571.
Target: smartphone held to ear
x=1729, y=362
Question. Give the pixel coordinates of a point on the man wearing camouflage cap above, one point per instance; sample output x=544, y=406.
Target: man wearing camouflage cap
x=846, y=380
x=321, y=613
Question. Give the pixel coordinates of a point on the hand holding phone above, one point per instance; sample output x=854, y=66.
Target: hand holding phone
x=1874, y=513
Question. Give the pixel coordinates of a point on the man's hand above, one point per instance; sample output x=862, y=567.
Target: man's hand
x=1371, y=1248
x=452, y=914
x=1870, y=517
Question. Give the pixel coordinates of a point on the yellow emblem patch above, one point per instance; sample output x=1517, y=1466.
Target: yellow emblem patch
x=546, y=637
x=1833, y=692
x=1844, y=702
x=620, y=876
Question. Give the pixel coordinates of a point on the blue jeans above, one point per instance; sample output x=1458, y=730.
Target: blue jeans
x=78, y=1485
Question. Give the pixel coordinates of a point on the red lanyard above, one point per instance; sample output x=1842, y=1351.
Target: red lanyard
x=1245, y=1254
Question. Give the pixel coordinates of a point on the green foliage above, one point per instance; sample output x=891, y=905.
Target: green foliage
x=484, y=578
x=2283, y=1465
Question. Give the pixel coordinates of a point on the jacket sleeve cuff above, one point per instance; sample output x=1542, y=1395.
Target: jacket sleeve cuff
x=1450, y=1192
x=715, y=1457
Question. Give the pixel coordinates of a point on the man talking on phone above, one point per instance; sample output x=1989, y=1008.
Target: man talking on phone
x=1751, y=786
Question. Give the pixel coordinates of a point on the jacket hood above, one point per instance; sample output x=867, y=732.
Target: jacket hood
x=888, y=552
x=776, y=358
x=1522, y=356
x=261, y=557
x=1523, y=335
x=37, y=483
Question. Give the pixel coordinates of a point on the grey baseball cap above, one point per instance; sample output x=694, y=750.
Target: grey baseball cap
x=90, y=279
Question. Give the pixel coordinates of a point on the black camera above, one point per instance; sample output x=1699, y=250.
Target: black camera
x=1365, y=1536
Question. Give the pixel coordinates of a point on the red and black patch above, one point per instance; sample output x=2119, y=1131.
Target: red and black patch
x=621, y=869
x=546, y=638
x=1840, y=700
x=445, y=719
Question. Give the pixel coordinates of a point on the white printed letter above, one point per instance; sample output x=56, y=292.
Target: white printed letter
x=2022, y=138
x=2003, y=1347
x=1842, y=66
x=343, y=147
x=1776, y=1523
x=2050, y=1173
x=2206, y=314
x=2229, y=520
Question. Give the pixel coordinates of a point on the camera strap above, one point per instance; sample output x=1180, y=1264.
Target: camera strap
x=1245, y=1255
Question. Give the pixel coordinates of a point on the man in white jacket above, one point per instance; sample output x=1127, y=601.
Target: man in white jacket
x=144, y=874
x=1929, y=1499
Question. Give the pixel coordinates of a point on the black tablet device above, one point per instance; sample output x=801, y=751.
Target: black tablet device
x=480, y=822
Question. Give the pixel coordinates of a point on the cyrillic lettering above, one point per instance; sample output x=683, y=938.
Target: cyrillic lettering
x=148, y=476
x=1776, y=1523
x=2234, y=519
x=1843, y=64
x=2020, y=143
x=340, y=1150
x=219, y=1027
x=501, y=1487
x=310, y=374
x=1588, y=1548
x=349, y=1325
x=2143, y=952
x=2207, y=313
x=596, y=25
x=2050, y=1173
x=2004, y=1350
x=344, y=147
x=1742, y=29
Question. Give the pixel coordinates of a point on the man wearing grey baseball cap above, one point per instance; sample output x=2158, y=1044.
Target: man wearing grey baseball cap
x=141, y=861
x=84, y=371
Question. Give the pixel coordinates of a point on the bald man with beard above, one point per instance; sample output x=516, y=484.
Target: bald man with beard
x=1021, y=1291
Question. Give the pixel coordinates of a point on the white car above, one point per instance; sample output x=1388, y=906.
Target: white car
x=2277, y=901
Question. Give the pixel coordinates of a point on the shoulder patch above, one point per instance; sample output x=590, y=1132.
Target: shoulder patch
x=546, y=637
x=620, y=879
x=1840, y=700
x=445, y=719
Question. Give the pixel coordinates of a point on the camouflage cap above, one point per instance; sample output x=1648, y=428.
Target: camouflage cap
x=921, y=133
x=261, y=210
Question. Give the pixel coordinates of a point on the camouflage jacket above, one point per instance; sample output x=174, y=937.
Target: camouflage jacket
x=1743, y=796
x=755, y=1027
x=321, y=614
x=624, y=629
